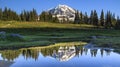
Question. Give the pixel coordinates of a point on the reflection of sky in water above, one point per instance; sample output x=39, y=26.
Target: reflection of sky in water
x=1, y=57
x=111, y=60
x=82, y=58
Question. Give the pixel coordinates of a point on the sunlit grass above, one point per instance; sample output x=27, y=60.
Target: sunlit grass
x=14, y=24
x=17, y=45
x=46, y=33
x=62, y=44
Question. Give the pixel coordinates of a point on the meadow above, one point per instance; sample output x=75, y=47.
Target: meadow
x=46, y=33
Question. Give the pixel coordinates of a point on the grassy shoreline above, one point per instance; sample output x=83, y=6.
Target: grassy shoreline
x=45, y=33
x=78, y=43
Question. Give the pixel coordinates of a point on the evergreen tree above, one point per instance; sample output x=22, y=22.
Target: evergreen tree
x=117, y=25
x=42, y=16
x=95, y=18
x=86, y=19
x=9, y=15
x=5, y=14
x=108, y=22
x=91, y=18
x=113, y=20
x=50, y=17
x=81, y=18
x=1, y=14
x=33, y=14
x=12, y=15
x=102, y=18
x=55, y=19
x=47, y=17
x=25, y=15
x=22, y=17
x=77, y=18
x=28, y=16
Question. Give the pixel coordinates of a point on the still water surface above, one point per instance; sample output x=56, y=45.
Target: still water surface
x=61, y=56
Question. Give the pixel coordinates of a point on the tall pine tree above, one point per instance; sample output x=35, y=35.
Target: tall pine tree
x=95, y=18
x=91, y=18
x=1, y=14
x=34, y=15
x=5, y=14
x=86, y=19
x=113, y=19
x=77, y=18
x=117, y=25
x=102, y=19
x=108, y=21
x=81, y=17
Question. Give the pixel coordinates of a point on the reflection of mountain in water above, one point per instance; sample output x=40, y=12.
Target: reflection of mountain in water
x=64, y=53
x=60, y=53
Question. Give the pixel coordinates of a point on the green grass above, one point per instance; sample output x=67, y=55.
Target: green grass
x=45, y=33
x=105, y=42
x=17, y=45
x=14, y=24
x=79, y=43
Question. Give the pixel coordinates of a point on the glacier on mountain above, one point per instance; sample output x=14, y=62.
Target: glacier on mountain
x=63, y=13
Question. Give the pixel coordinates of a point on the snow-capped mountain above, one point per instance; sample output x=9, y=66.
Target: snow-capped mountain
x=63, y=12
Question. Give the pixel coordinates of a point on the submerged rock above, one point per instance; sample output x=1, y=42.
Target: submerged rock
x=94, y=37
x=2, y=32
x=10, y=37
x=2, y=35
x=15, y=37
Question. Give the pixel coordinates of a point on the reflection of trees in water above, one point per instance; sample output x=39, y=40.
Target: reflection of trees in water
x=30, y=53
x=107, y=51
x=11, y=55
x=93, y=52
x=81, y=51
x=117, y=51
x=102, y=52
x=49, y=51
x=86, y=51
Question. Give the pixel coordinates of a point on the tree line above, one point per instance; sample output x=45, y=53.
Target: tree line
x=107, y=20
x=48, y=17
x=9, y=15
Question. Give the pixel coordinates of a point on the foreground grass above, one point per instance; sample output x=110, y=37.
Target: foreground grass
x=45, y=33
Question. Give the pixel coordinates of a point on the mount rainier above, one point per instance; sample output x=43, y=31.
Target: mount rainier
x=63, y=13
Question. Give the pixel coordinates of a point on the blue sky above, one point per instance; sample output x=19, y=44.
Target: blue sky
x=81, y=5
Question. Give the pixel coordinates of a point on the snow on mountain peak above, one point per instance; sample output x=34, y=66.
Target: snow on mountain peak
x=63, y=11
x=65, y=7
